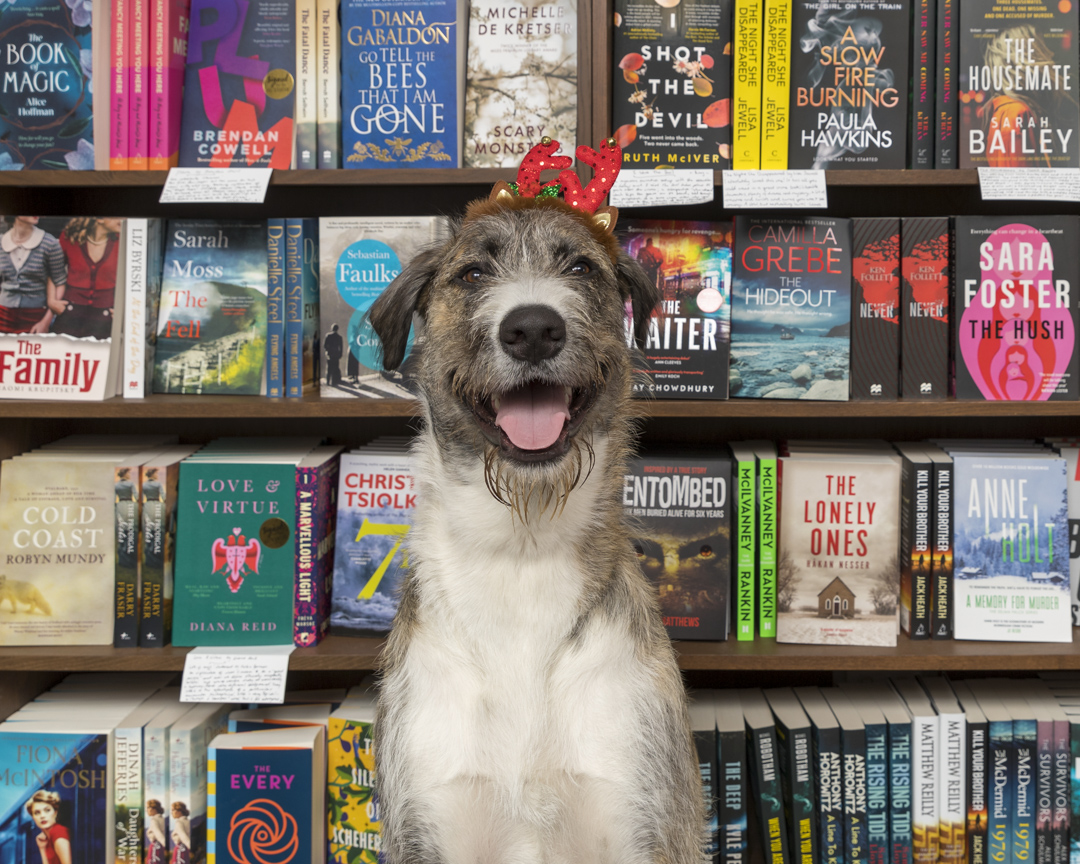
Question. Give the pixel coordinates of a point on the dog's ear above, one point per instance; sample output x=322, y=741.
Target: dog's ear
x=391, y=314
x=642, y=292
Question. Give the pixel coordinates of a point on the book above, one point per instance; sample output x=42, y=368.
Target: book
x=900, y=804
x=327, y=84
x=745, y=489
x=1015, y=325
x=828, y=774
x=275, y=307
x=793, y=735
x=924, y=307
x=1017, y=90
x=1025, y=743
x=169, y=28
x=305, y=151
x=849, y=83
x=688, y=338
x=316, y=516
x=941, y=570
x=278, y=716
x=1071, y=455
x=144, y=245
x=523, y=80
x=747, y=49
x=776, y=84
x=916, y=539
x=681, y=507
x=301, y=306
x=839, y=532
x=879, y=839
x=875, y=309
x=358, y=257
x=921, y=145
x=671, y=83
x=189, y=740
x=767, y=497
x=119, y=84
x=211, y=320
x=353, y=824
x=951, y=775
x=702, y=709
x=764, y=769
x=400, y=83
x=945, y=80
x=127, y=507
x=733, y=802
x=853, y=744
x=239, y=85
x=977, y=769
x=138, y=51
x=791, y=308
x=925, y=757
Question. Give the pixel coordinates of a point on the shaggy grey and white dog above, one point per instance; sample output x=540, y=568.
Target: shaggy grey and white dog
x=531, y=708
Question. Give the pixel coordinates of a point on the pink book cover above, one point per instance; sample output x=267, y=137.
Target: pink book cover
x=119, y=84
x=139, y=97
x=168, y=54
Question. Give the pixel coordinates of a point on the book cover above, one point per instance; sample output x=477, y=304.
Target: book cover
x=1017, y=86
x=853, y=744
x=353, y=824
x=747, y=50
x=316, y=520
x=119, y=85
x=399, y=83
x=138, y=48
x=1016, y=317
x=275, y=307
x=523, y=79
x=875, y=309
x=327, y=84
x=924, y=307
x=688, y=340
x=160, y=487
x=301, y=305
x=734, y=789
x=941, y=570
x=211, y=321
x=916, y=490
x=239, y=87
x=838, y=576
x=703, y=727
x=358, y=257
x=743, y=526
x=977, y=771
x=793, y=734
x=849, y=85
x=1072, y=475
x=168, y=58
x=306, y=151
x=764, y=768
x=127, y=496
x=776, y=85
x=1010, y=542
x=767, y=498
x=791, y=308
x=681, y=508
x=671, y=83
x=921, y=136
x=945, y=79
x=827, y=753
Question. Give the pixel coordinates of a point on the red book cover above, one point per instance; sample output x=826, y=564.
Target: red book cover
x=924, y=309
x=168, y=54
x=119, y=83
x=875, y=314
x=138, y=96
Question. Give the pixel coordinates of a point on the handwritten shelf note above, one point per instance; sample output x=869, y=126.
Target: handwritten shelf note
x=215, y=186
x=769, y=190
x=236, y=674
x=1029, y=184
x=662, y=187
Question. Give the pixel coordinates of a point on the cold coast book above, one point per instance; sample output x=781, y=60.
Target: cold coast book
x=1015, y=325
x=211, y=321
x=523, y=79
x=358, y=257
x=672, y=83
x=849, y=85
x=402, y=81
x=688, y=340
x=791, y=308
x=875, y=309
x=925, y=269
x=239, y=85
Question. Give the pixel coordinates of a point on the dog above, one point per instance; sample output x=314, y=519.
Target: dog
x=531, y=709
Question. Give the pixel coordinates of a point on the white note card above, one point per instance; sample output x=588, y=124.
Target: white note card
x=662, y=187
x=769, y=190
x=1029, y=184
x=215, y=186
x=235, y=674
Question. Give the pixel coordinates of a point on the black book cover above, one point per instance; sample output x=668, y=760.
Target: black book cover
x=924, y=307
x=793, y=735
x=921, y=135
x=1017, y=279
x=765, y=785
x=828, y=774
x=978, y=773
x=875, y=309
x=733, y=779
x=853, y=744
x=916, y=485
x=941, y=570
x=703, y=725
x=945, y=86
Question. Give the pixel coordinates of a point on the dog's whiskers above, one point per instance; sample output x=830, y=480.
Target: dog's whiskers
x=525, y=496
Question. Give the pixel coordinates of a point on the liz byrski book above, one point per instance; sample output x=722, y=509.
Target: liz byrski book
x=688, y=341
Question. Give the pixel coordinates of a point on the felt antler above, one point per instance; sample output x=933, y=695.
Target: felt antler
x=605, y=165
x=539, y=159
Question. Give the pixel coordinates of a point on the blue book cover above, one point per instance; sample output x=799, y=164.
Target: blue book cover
x=399, y=95
x=1074, y=790
x=46, y=103
x=1002, y=769
x=301, y=305
x=239, y=85
x=877, y=788
x=275, y=307
x=900, y=791
x=1023, y=785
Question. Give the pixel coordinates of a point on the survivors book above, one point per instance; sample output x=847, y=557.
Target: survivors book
x=672, y=83
x=1016, y=308
x=681, y=507
x=875, y=309
x=924, y=307
x=849, y=84
x=791, y=308
x=688, y=341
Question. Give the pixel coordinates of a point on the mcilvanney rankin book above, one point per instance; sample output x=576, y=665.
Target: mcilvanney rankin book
x=849, y=84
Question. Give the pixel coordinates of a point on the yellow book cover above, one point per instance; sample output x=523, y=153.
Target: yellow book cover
x=746, y=87
x=776, y=85
x=352, y=806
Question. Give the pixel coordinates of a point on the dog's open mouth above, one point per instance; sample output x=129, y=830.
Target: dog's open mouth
x=534, y=422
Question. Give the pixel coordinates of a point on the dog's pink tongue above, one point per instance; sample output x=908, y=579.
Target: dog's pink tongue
x=532, y=417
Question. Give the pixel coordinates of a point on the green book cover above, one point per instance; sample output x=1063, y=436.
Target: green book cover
x=235, y=554
x=745, y=540
x=766, y=538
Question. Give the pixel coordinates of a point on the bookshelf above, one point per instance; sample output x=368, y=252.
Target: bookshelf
x=25, y=671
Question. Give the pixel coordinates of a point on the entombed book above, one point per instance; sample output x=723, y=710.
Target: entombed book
x=849, y=84
x=680, y=508
x=672, y=83
x=1016, y=308
x=875, y=309
x=688, y=340
x=925, y=268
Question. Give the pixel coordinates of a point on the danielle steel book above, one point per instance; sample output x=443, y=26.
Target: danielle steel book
x=681, y=507
x=672, y=83
x=688, y=341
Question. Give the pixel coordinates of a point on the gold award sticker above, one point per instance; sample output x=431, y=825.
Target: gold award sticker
x=278, y=83
x=274, y=533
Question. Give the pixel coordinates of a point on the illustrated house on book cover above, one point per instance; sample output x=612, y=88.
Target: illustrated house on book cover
x=836, y=600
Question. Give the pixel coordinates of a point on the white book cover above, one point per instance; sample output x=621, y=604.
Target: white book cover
x=1072, y=476
x=327, y=84
x=925, y=763
x=135, y=312
x=305, y=153
x=952, y=771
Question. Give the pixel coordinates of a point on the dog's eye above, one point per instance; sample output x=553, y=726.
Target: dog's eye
x=580, y=268
x=472, y=275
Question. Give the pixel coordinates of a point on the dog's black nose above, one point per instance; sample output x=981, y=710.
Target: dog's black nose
x=532, y=333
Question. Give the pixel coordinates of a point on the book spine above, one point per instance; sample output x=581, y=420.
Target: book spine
x=1023, y=811
x=765, y=784
x=1002, y=766
x=306, y=630
x=952, y=807
x=829, y=776
x=328, y=73
x=152, y=632
x=977, y=789
x=915, y=548
x=706, y=746
x=745, y=552
x=126, y=510
x=734, y=848
x=875, y=309
x=776, y=85
x=169, y=47
x=1044, y=792
x=802, y=819
x=120, y=83
x=1061, y=793
x=924, y=789
x=766, y=547
x=211, y=805
x=180, y=770
x=941, y=570
x=856, y=848
x=878, y=838
x=900, y=839
x=156, y=785
x=921, y=153
x=353, y=823
x=746, y=85
x=294, y=308
x=157, y=157
x=1074, y=800
x=275, y=308
x=135, y=308
x=924, y=308
x=945, y=86
x=138, y=97
x=127, y=794
x=306, y=150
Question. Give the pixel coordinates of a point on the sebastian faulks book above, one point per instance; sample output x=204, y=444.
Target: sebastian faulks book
x=924, y=307
x=523, y=79
x=875, y=309
x=687, y=346
x=791, y=308
x=672, y=83
x=1016, y=306
x=1018, y=86
x=849, y=85
x=682, y=508
x=239, y=87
